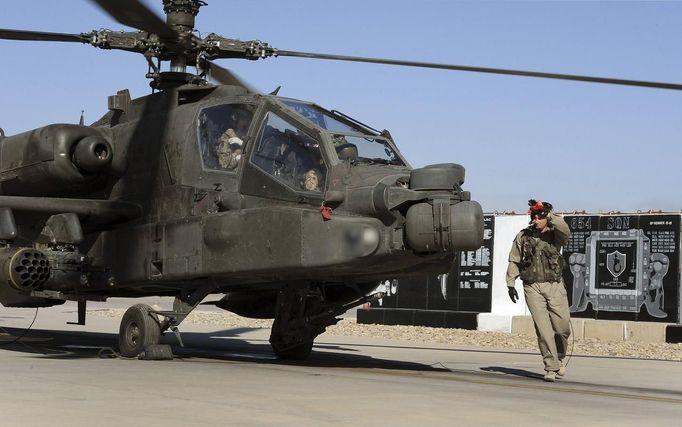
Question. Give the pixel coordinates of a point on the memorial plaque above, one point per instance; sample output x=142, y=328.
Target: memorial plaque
x=623, y=266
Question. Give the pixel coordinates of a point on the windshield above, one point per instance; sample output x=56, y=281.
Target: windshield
x=324, y=119
x=289, y=155
x=370, y=150
x=222, y=130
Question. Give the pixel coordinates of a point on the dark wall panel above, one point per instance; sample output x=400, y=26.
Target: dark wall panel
x=624, y=267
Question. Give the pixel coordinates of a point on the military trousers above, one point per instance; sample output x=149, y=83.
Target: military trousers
x=548, y=304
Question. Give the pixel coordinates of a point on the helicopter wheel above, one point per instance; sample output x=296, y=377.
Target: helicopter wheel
x=298, y=352
x=139, y=329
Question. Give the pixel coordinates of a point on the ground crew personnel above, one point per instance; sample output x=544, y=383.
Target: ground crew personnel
x=535, y=256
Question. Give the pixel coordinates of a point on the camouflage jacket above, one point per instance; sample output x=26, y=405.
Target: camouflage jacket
x=536, y=256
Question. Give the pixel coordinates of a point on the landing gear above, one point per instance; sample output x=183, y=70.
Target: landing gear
x=297, y=352
x=300, y=316
x=139, y=328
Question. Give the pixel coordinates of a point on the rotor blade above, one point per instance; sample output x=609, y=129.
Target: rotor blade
x=135, y=14
x=225, y=76
x=41, y=36
x=605, y=80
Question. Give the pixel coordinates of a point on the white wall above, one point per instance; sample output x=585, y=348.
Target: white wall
x=506, y=228
x=502, y=309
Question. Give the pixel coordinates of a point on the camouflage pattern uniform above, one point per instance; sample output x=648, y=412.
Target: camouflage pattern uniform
x=229, y=150
x=536, y=258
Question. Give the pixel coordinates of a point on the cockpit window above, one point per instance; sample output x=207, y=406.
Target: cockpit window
x=291, y=156
x=369, y=150
x=222, y=129
x=323, y=119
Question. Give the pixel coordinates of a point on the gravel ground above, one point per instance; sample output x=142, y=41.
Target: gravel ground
x=348, y=327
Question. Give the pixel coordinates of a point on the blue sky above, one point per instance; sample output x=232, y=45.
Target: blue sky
x=581, y=146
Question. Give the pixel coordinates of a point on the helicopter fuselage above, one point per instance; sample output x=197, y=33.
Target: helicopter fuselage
x=195, y=220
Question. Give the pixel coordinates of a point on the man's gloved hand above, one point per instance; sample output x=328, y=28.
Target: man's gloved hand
x=513, y=295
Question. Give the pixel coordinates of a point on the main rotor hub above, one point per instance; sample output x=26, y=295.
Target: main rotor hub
x=180, y=14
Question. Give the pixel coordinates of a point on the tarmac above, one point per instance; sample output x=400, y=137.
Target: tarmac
x=59, y=374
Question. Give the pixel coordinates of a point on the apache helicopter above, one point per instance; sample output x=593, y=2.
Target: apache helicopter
x=292, y=211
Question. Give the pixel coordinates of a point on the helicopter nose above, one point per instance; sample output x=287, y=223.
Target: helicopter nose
x=361, y=241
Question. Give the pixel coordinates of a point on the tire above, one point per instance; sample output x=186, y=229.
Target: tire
x=139, y=328
x=298, y=352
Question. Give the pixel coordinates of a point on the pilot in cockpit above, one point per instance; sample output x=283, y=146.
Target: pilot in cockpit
x=229, y=149
x=230, y=144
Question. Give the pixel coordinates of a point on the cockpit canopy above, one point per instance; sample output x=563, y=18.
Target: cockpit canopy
x=290, y=155
x=368, y=145
x=293, y=142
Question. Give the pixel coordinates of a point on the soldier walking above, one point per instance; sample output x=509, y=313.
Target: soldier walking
x=535, y=256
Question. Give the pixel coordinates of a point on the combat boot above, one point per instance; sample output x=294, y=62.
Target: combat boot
x=550, y=376
x=562, y=370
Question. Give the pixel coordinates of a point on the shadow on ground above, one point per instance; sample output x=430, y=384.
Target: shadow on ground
x=225, y=345
x=513, y=371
